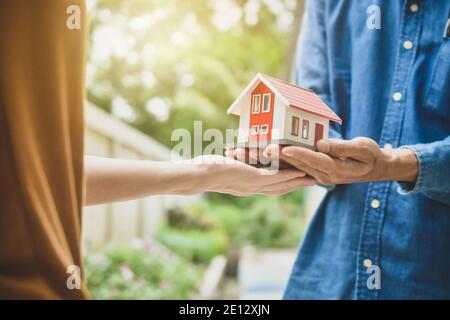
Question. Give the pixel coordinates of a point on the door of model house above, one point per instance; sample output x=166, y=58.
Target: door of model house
x=318, y=133
x=261, y=114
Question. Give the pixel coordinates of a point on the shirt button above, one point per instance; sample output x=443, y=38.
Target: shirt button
x=367, y=263
x=407, y=45
x=375, y=203
x=414, y=7
x=397, y=96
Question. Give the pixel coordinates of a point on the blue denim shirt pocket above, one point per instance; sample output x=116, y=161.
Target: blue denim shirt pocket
x=438, y=93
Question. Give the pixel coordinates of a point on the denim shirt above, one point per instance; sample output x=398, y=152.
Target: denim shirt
x=389, y=81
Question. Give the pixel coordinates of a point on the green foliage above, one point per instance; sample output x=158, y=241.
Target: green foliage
x=178, y=218
x=196, y=245
x=227, y=217
x=272, y=223
x=260, y=221
x=248, y=216
x=140, y=273
x=175, y=50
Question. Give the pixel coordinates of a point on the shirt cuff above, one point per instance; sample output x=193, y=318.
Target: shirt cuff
x=425, y=176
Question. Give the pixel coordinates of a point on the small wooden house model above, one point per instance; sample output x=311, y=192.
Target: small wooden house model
x=275, y=111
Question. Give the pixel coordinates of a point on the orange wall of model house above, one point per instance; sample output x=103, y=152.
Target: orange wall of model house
x=261, y=118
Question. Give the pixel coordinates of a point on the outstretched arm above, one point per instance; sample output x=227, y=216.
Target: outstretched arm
x=110, y=180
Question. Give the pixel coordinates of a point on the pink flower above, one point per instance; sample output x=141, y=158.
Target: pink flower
x=164, y=284
x=127, y=273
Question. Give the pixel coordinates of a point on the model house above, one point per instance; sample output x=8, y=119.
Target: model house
x=275, y=111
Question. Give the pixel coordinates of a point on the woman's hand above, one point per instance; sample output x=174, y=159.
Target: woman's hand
x=230, y=176
x=111, y=180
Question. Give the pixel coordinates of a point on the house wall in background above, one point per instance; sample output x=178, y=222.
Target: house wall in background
x=122, y=222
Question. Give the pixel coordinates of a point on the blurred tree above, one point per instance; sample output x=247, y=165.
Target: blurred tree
x=159, y=65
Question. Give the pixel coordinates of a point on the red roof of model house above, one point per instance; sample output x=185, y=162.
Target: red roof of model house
x=304, y=99
x=296, y=97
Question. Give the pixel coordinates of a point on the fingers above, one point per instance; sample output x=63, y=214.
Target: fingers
x=241, y=154
x=322, y=167
x=315, y=160
x=277, y=176
x=249, y=156
x=243, y=179
x=229, y=153
x=255, y=157
x=337, y=161
x=320, y=176
x=278, y=189
x=358, y=148
x=272, y=152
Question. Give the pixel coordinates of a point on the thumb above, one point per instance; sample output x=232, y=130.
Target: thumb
x=339, y=148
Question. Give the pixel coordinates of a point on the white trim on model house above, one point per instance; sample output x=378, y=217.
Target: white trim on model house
x=254, y=130
x=235, y=107
x=305, y=129
x=256, y=97
x=266, y=97
x=264, y=129
x=295, y=124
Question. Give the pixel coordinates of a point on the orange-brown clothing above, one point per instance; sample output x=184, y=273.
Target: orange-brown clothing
x=42, y=55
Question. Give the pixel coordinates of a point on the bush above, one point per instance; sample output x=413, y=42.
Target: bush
x=226, y=217
x=150, y=272
x=260, y=221
x=196, y=245
x=180, y=219
x=207, y=229
x=272, y=223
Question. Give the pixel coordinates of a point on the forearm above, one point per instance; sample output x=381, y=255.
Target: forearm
x=401, y=165
x=421, y=168
x=111, y=180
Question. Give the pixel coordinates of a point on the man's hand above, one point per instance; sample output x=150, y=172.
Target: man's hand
x=343, y=162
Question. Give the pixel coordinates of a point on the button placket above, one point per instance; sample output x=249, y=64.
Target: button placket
x=377, y=193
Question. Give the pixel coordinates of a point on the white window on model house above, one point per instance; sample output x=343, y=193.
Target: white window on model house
x=254, y=130
x=266, y=103
x=305, y=129
x=295, y=125
x=256, y=103
x=264, y=129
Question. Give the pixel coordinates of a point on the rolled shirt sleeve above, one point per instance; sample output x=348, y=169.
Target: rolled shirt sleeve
x=434, y=171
